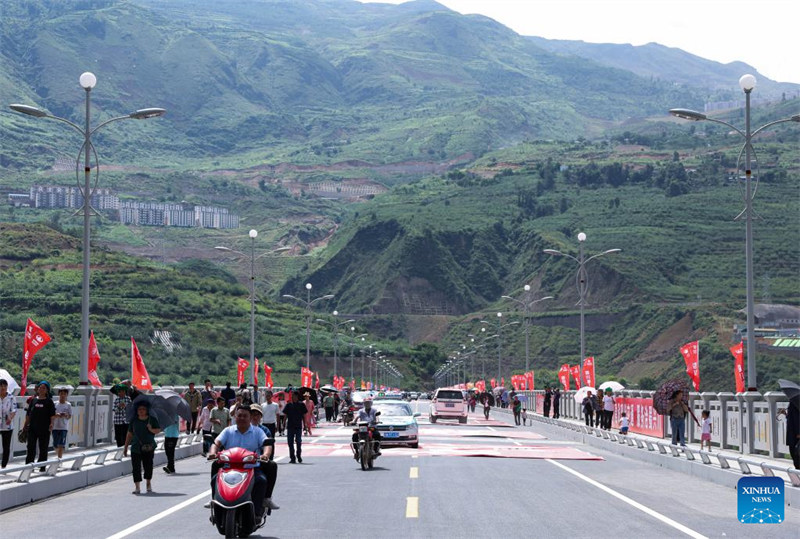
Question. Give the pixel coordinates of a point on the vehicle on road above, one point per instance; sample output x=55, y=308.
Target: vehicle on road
x=346, y=414
x=398, y=424
x=232, y=509
x=364, y=449
x=413, y=396
x=385, y=395
x=448, y=404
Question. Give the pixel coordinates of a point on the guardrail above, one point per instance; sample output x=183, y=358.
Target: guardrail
x=96, y=457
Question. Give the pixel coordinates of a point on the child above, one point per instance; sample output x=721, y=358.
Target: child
x=524, y=416
x=624, y=422
x=61, y=422
x=706, y=433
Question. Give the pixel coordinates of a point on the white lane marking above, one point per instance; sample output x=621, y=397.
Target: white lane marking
x=655, y=514
x=155, y=518
x=516, y=442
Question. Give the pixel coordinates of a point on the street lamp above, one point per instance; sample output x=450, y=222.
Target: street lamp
x=353, y=342
x=253, y=235
x=500, y=327
x=582, y=280
x=747, y=83
x=307, y=304
x=335, y=326
x=87, y=81
x=526, y=305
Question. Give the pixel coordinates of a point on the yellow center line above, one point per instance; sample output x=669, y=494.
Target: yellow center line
x=412, y=507
x=413, y=473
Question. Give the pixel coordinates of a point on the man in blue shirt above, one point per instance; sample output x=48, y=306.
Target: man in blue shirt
x=244, y=435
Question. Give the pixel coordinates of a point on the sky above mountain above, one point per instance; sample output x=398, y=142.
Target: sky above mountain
x=762, y=34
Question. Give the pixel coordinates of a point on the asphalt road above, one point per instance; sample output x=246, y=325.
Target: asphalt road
x=432, y=492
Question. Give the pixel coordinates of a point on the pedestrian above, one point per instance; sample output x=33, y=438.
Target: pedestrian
x=269, y=468
x=588, y=409
x=486, y=407
x=254, y=394
x=41, y=414
x=195, y=400
x=524, y=417
x=296, y=413
x=677, y=410
x=597, y=405
x=61, y=422
x=208, y=391
x=220, y=417
x=516, y=408
x=8, y=410
x=705, y=435
x=624, y=423
x=309, y=404
x=328, y=403
x=608, y=408
x=269, y=414
x=121, y=403
x=237, y=402
x=337, y=400
x=171, y=434
x=228, y=393
x=556, y=403
x=141, y=439
x=204, y=422
x=244, y=394
x=281, y=415
x=472, y=402
x=792, y=414
x=548, y=396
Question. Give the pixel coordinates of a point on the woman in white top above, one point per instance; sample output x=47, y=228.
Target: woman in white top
x=608, y=409
x=8, y=409
x=269, y=417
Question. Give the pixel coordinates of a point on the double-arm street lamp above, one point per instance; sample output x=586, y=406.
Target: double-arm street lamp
x=526, y=307
x=747, y=84
x=334, y=324
x=253, y=235
x=353, y=341
x=500, y=327
x=307, y=304
x=87, y=81
x=582, y=280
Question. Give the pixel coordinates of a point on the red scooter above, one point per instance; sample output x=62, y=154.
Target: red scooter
x=232, y=510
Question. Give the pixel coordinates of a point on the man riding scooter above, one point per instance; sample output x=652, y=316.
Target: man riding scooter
x=251, y=438
x=368, y=415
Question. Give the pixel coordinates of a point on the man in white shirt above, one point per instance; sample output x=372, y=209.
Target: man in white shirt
x=269, y=411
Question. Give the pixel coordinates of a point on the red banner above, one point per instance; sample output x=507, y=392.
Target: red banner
x=575, y=371
x=241, y=368
x=35, y=339
x=255, y=371
x=642, y=416
x=94, y=360
x=493, y=383
x=267, y=376
x=588, y=371
x=691, y=355
x=529, y=380
x=306, y=377
x=139, y=377
x=563, y=376
x=738, y=366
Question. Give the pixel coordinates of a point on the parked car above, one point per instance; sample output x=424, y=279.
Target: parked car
x=448, y=404
x=397, y=423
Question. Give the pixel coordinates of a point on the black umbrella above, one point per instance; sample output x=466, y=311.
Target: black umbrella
x=312, y=393
x=178, y=403
x=488, y=396
x=791, y=390
x=159, y=408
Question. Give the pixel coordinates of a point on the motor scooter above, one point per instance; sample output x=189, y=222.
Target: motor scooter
x=363, y=449
x=348, y=413
x=232, y=509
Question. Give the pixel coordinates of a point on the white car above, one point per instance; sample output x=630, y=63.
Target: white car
x=397, y=423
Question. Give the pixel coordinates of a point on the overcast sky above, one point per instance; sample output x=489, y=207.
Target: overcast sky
x=762, y=33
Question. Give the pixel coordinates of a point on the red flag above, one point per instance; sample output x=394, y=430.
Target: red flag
x=493, y=382
x=352, y=384
x=267, y=376
x=738, y=366
x=94, y=359
x=529, y=380
x=241, y=367
x=317, y=386
x=563, y=376
x=575, y=371
x=503, y=382
x=139, y=377
x=691, y=355
x=255, y=371
x=588, y=371
x=363, y=385
x=306, y=377
x=35, y=339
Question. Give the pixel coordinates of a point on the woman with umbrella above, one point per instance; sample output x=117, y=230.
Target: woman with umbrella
x=677, y=410
x=142, y=430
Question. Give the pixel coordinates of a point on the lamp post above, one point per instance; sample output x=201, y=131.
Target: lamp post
x=335, y=326
x=500, y=327
x=582, y=280
x=526, y=305
x=307, y=304
x=87, y=81
x=353, y=342
x=747, y=83
x=253, y=235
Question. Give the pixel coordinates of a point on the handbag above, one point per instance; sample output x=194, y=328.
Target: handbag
x=22, y=435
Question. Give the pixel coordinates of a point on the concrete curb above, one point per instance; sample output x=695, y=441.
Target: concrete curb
x=39, y=488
